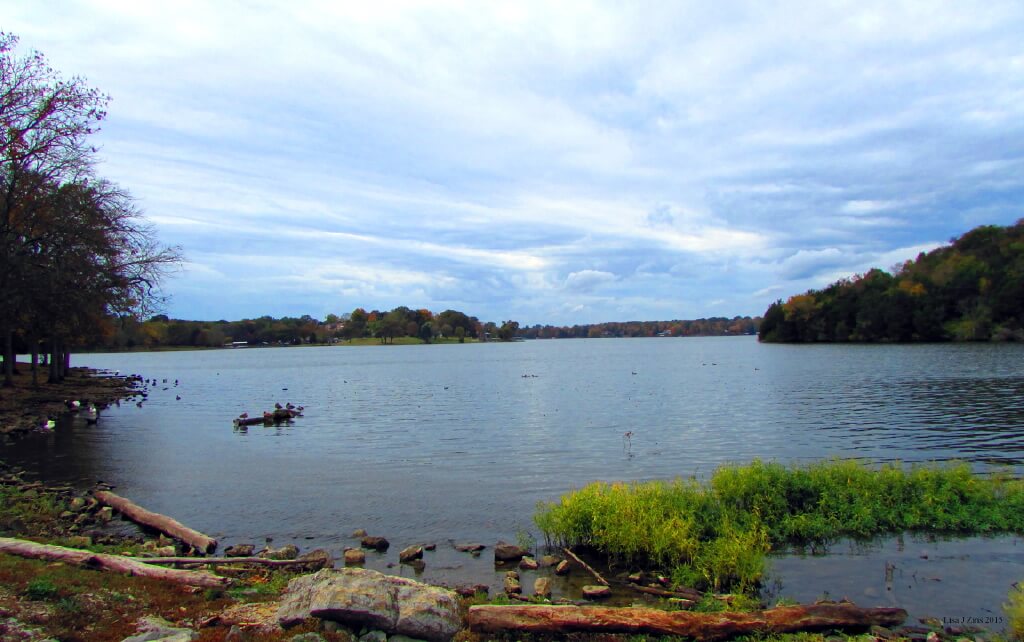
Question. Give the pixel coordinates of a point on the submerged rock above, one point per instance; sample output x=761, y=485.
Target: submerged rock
x=363, y=597
x=542, y=587
x=376, y=543
x=596, y=592
x=528, y=564
x=469, y=548
x=354, y=556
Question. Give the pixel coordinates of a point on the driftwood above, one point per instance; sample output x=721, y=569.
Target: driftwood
x=688, y=595
x=162, y=523
x=115, y=563
x=220, y=561
x=596, y=575
x=699, y=626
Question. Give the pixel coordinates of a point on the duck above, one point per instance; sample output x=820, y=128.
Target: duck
x=92, y=415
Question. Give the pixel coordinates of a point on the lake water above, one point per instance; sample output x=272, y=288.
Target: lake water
x=459, y=442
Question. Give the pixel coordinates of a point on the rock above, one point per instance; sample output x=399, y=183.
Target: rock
x=429, y=547
x=509, y=552
x=359, y=533
x=542, y=587
x=469, y=548
x=354, y=556
x=374, y=636
x=315, y=560
x=411, y=553
x=76, y=504
x=258, y=617
x=154, y=629
x=470, y=591
x=528, y=564
x=549, y=560
x=511, y=583
x=392, y=604
x=562, y=568
x=376, y=543
x=636, y=578
x=882, y=633
x=308, y=637
x=164, y=551
x=105, y=514
x=402, y=638
x=79, y=541
x=286, y=552
x=240, y=550
x=234, y=634
x=596, y=592
x=417, y=565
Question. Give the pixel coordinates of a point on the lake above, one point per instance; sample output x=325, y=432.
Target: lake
x=440, y=443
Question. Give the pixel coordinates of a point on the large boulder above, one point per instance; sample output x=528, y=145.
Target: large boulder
x=509, y=552
x=368, y=598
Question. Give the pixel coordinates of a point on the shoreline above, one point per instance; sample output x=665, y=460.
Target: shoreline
x=25, y=407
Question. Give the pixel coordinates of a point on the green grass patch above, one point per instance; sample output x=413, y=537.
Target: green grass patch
x=715, y=535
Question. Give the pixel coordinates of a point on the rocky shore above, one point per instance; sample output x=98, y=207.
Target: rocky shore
x=26, y=407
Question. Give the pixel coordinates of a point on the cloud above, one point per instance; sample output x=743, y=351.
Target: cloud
x=498, y=157
x=587, y=280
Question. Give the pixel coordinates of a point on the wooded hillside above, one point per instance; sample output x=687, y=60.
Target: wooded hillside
x=971, y=290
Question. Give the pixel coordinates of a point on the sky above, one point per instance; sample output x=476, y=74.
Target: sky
x=547, y=162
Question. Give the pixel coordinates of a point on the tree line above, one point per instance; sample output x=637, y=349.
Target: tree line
x=74, y=250
x=970, y=290
x=384, y=327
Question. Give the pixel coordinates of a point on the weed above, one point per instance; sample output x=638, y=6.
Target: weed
x=716, y=535
x=41, y=588
x=1014, y=609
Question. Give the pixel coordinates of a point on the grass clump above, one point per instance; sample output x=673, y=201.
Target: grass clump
x=1014, y=609
x=715, y=535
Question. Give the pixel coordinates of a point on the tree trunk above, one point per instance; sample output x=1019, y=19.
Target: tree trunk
x=54, y=360
x=561, y=620
x=65, y=363
x=162, y=523
x=114, y=563
x=8, y=358
x=35, y=361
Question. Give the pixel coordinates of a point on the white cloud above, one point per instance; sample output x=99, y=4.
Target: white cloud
x=587, y=280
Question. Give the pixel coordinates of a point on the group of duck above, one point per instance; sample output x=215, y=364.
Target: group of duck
x=88, y=409
x=280, y=414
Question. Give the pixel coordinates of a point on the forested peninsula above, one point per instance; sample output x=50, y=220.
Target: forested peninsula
x=970, y=290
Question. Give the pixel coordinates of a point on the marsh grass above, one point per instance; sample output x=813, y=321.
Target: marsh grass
x=715, y=535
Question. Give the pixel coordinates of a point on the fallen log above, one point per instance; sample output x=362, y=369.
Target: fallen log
x=115, y=563
x=691, y=597
x=699, y=626
x=596, y=575
x=166, y=525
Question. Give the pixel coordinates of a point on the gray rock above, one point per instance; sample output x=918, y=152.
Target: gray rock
x=308, y=637
x=287, y=552
x=509, y=552
x=595, y=592
x=154, y=629
x=316, y=559
x=411, y=553
x=402, y=638
x=359, y=596
x=511, y=583
x=542, y=587
x=240, y=550
x=374, y=636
